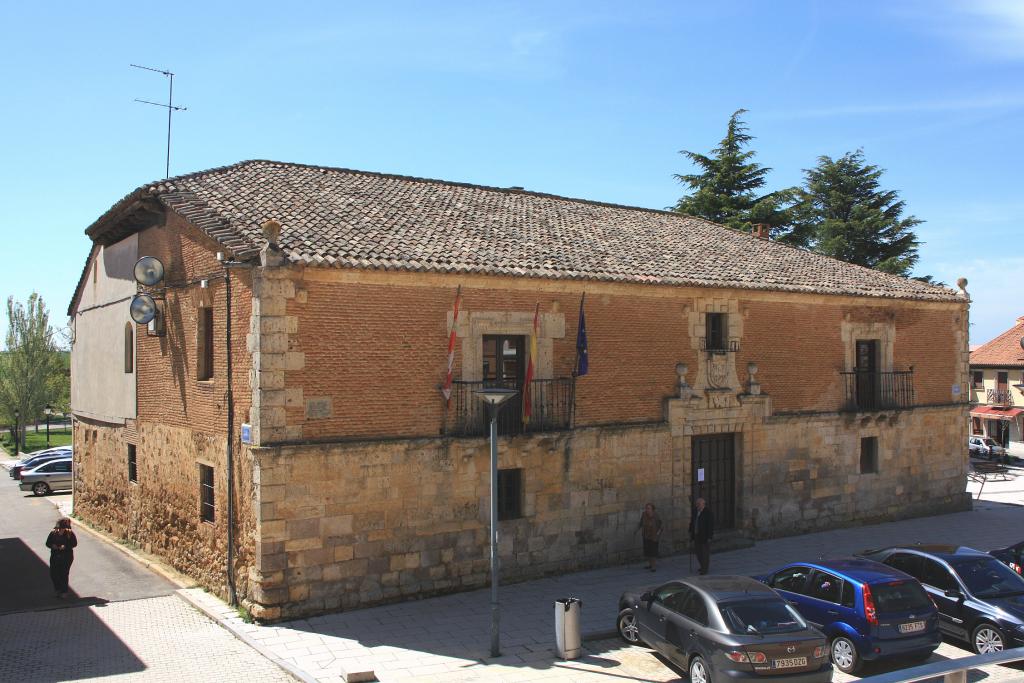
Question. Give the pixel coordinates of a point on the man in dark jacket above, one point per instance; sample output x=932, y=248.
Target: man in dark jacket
x=702, y=529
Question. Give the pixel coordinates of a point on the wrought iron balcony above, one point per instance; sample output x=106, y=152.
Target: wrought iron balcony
x=551, y=403
x=999, y=397
x=729, y=345
x=867, y=390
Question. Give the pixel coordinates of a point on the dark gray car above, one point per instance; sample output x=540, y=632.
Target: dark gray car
x=54, y=475
x=725, y=628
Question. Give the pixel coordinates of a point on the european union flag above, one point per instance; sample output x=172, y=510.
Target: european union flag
x=582, y=360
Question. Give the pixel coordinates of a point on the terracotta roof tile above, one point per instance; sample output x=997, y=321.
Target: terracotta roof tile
x=1003, y=351
x=356, y=219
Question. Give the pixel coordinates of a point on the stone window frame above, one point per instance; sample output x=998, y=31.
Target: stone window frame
x=724, y=376
x=473, y=325
x=874, y=458
x=205, y=344
x=883, y=332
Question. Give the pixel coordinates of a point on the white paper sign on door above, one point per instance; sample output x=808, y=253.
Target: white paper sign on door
x=700, y=474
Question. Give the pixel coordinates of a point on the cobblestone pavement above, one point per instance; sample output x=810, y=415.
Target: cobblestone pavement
x=154, y=639
x=446, y=638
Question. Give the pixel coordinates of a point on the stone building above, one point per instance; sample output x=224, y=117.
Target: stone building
x=794, y=391
x=997, y=385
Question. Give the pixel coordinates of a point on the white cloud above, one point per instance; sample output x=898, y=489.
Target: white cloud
x=989, y=28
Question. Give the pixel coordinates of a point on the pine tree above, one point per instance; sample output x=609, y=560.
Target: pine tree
x=843, y=213
x=726, y=188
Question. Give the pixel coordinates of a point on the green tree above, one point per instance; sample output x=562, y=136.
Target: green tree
x=726, y=188
x=32, y=367
x=842, y=212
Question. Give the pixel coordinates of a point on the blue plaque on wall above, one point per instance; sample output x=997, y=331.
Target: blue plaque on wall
x=247, y=434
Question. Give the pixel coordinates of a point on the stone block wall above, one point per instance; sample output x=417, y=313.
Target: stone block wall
x=347, y=525
x=160, y=513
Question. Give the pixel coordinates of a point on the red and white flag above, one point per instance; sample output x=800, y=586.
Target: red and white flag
x=530, y=367
x=446, y=390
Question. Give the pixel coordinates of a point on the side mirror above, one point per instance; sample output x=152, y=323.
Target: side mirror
x=647, y=597
x=953, y=593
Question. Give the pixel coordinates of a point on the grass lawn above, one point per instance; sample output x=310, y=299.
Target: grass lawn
x=37, y=441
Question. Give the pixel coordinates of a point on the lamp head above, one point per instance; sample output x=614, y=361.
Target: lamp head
x=149, y=270
x=142, y=309
x=495, y=396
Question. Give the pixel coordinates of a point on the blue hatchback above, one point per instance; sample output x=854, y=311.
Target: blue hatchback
x=868, y=611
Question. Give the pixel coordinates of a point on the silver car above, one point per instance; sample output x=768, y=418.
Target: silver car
x=54, y=475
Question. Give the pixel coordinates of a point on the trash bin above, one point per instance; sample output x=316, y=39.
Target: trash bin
x=568, y=640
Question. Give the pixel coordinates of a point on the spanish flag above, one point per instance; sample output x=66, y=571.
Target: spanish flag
x=530, y=367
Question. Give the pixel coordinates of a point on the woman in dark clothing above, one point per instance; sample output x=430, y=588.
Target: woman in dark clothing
x=650, y=527
x=61, y=543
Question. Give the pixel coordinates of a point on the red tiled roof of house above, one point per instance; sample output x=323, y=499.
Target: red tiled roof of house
x=1003, y=351
x=357, y=219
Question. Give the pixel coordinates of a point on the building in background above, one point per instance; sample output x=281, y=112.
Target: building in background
x=794, y=392
x=997, y=380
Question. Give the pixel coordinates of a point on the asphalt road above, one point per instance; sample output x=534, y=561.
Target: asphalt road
x=100, y=573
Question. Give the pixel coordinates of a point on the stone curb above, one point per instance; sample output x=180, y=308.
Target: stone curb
x=290, y=669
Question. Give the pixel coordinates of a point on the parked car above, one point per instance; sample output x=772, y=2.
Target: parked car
x=725, y=628
x=39, y=457
x=868, y=611
x=980, y=599
x=1012, y=556
x=984, y=446
x=54, y=475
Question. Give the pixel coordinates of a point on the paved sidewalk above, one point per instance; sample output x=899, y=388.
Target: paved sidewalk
x=447, y=638
x=159, y=639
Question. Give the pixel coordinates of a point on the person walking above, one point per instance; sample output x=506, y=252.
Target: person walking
x=61, y=542
x=650, y=528
x=702, y=529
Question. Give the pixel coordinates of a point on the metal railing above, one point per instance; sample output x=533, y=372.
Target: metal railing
x=951, y=670
x=866, y=390
x=999, y=397
x=731, y=345
x=551, y=408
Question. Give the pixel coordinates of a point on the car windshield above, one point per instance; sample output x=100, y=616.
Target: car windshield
x=987, y=577
x=761, y=616
x=900, y=596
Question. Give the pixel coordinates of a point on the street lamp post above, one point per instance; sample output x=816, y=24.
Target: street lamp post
x=494, y=398
x=49, y=411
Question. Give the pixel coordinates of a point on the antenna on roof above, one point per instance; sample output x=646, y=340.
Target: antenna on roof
x=169, y=107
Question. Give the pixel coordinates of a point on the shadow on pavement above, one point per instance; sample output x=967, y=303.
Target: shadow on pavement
x=45, y=638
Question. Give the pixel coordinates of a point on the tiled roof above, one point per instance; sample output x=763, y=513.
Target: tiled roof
x=356, y=219
x=1003, y=351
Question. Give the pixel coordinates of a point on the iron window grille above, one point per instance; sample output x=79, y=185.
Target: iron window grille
x=133, y=471
x=206, y=498
x=510, y=494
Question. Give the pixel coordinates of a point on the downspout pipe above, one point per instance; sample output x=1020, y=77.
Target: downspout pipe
x=230, y=400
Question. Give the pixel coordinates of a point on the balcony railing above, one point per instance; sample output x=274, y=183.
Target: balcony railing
x=551, y=402
x=867, y=390
x=999, y=397
x=730, y=345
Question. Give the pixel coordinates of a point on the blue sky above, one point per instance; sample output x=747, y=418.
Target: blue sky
x=584, y=99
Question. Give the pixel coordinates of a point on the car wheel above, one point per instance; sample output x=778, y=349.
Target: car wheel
x=40, y=488
x=844, y=655
x=987, y=638
x=699, y=671
x=628, y=628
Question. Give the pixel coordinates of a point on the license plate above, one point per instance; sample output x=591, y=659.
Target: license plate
x=912, y=627
x=789, y=662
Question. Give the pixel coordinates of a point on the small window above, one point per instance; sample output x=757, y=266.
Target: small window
x=849, y=597
x=714, y=328
x=978, y=379
x=204, y=343
x=792, y=579
x=133, y=472
x=129, y=349
x=826, y=587
x=869, y=455
x=206, y=499
x=510, y=494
